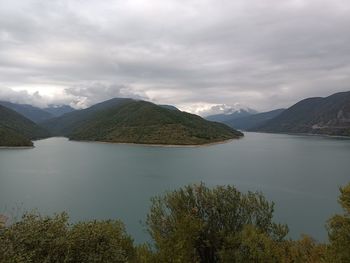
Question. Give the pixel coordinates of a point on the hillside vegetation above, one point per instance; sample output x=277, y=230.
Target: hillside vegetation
x=66, y=124
x=130, y=121
x=330, y=116
x=10, y=138
x=17, y=130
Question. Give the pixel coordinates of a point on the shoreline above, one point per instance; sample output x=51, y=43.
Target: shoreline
x=306, y=134
x=163, y=145
x=16, y=147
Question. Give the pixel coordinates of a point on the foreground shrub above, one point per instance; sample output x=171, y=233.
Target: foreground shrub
x=199, y=224
x=53, y=239
x=189, y=225
x=339, y=230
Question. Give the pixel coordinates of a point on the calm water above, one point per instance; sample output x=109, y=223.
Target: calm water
x=92, y=180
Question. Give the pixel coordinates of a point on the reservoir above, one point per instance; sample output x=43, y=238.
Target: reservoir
x=301, y=174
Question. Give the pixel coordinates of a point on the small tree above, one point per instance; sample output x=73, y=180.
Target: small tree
x=339, y=230
x=196, y=224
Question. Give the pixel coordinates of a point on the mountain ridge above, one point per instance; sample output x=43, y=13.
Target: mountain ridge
x=136, y=121
x=16, y=130
x=255, y=120
x=318, y=115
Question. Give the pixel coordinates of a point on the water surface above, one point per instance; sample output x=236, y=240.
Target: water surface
x=301, y=174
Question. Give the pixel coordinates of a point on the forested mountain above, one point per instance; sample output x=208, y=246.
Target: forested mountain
x=17, y=130
x=66, y=124
x=250, y=122
x=330, y=115
x=131, y=121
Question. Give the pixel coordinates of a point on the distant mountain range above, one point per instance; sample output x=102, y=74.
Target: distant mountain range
x=135, y=121
x=58, y=110
x=16, y=130
x=132, y=121
x=232, y=116
x=329, y=116
x=36, y=114
x=252, y=121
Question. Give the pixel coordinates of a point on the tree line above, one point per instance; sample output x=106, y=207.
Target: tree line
x=192, y=224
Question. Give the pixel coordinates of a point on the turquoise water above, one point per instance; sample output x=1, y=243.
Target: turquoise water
x=301, y=174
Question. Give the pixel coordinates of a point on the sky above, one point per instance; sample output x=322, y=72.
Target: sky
x=203, y=56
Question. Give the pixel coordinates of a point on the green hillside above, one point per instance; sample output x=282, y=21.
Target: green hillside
x=10, y=138
x=67, y=123
x=131, y=121
x=17, y=130
x=330, y=116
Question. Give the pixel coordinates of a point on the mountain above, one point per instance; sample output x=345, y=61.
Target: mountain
x=58, y=110
x=131, y=121
x=170, y=107
x=30, y=112
x=223, y=118
x=67, y=123
x=250, y=122
x=16, y=129
x=330, y=116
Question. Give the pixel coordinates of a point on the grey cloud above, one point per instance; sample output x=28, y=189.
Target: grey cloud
x=88, y=95
x=35, y=99
x=261, y=54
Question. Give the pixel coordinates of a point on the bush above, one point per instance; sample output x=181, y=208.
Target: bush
x=197, y=224
x=192, y=224
x=339, y=230
x=53, y=239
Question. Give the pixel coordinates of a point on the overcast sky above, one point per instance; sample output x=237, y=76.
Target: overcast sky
x=203, y=56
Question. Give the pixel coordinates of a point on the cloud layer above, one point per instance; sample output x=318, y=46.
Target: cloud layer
x=195, y=54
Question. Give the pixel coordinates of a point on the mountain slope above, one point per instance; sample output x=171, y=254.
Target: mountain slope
x=141, y=122
x=330, y=115
x=58, y=110
x=10, y=138
x=30, y=112
x=252, y=121
x=67, y=123
x=16, y=129
x=144, y=122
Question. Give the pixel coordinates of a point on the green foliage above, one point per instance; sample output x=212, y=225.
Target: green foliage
x=250, y=245
x=339, y=229
x=53, y=239
x=196, y=224
x=35, y=239
x=16, y=130
x=192, y=224
x=10, y=138
x=147, y=123
x=95, y=241
x=129, y=121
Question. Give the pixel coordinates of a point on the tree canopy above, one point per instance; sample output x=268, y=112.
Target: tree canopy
x=192, y=224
